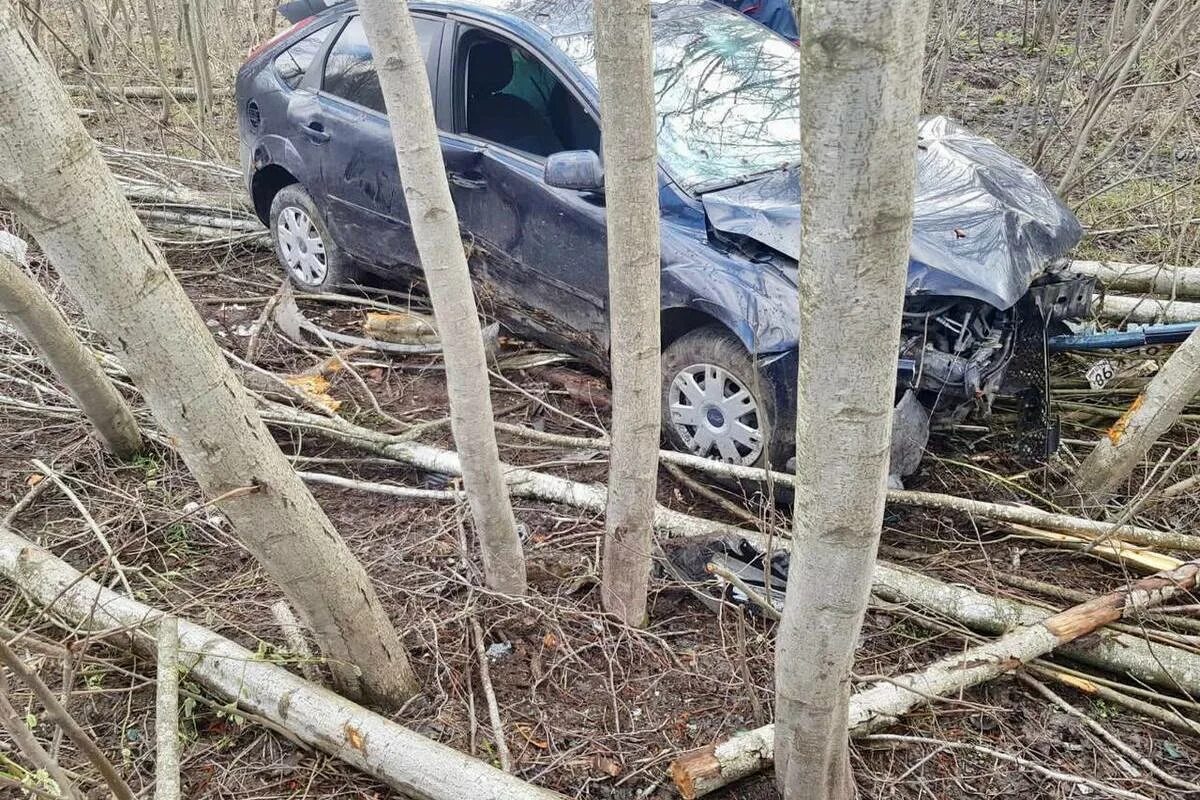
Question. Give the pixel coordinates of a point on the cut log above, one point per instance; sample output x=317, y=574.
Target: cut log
x=411, y=764
x=1145, y=310
x=1161, y=279
x=707, y=769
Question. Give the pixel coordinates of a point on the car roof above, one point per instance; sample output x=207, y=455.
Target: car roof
x=552, y=18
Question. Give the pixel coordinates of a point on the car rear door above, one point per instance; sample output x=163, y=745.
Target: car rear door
x=366, y=209
x=538, y=252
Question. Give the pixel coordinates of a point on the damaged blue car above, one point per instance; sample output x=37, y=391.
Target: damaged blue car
x=514, y=88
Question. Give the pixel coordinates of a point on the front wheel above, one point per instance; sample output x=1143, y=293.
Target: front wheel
x=716, y=403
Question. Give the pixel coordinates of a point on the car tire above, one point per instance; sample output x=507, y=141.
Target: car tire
x=310, y=257
x=704, y=411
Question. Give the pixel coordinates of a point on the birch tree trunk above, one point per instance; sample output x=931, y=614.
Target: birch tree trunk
x=53, y=177
x=1148, y=417
x=624, y=66
x=405, y=84
x=860, y=69
x=26, y=307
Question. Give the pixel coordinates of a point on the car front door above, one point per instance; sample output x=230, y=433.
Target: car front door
x=365, y=201
x=538, y=252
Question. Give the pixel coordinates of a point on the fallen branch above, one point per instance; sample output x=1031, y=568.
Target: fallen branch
x=434, y=460
x=1162, y=279
x=1147, y=310
x=144, y=92
x=406, y=761
x=702, y=771
x=1148, y=417
x=1160, y=665
x=116, y=784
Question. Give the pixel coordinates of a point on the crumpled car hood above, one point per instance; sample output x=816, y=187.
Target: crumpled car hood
x=984, y=224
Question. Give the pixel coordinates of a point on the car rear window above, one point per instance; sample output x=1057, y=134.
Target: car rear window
x=349, y=70
x=295, y=61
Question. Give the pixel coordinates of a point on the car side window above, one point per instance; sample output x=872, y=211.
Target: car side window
x=295, y=61
x=350, y=71
x=511, y=98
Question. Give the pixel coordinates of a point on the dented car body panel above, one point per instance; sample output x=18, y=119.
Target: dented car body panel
x=985, y=226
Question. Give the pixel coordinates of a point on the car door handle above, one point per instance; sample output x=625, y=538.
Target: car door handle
x=467, y=180
x=316, y=131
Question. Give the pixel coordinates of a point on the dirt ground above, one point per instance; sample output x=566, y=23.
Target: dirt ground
x=591, y=708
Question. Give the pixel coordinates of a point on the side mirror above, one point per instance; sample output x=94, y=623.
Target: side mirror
x=575, y=169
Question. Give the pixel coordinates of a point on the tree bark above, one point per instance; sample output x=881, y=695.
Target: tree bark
x=25, y=305
x=53, y=177
x=405, y=84
x=860, y=66
x=1148, y=417
x=707, y=769
x=624, y=64
x=412, y=765
x=166, y=712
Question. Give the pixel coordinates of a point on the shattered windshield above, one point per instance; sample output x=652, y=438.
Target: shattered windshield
x=727, y=95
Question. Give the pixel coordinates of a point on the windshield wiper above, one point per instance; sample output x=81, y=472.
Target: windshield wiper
x=716, y=184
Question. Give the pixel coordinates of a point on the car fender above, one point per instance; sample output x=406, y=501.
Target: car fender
x=275, y=150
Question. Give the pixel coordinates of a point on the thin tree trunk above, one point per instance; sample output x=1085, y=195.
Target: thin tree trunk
x=1148, y=417
x=25, y=305
x=860, y=83
x=624, y=67
x=166, y=712
x=405, y=83
x=53, y=177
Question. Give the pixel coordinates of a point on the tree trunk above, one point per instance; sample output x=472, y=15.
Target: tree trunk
x=860, y=70
x=414, y=766
x=166, y=712
x=1148, y=417
x=25, y=305
x=405, y=84
x=624, y=66
x=53, y=177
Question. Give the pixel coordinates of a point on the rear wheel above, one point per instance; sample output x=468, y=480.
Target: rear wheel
x=716, y=403
x=308, y=254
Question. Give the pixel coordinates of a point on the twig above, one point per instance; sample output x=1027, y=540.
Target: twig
x=166, y=715
x=24, y=503
x=768, y=610
x=490, y=694
x=75, y=733
x=1106, y=735
x=87, y=517
x=1065, y=777
x=29, y=745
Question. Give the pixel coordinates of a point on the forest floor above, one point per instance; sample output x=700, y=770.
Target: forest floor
x=591, y=708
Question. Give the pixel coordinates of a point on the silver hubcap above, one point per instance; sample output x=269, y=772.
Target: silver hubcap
x=715, y=414
x=301, y=246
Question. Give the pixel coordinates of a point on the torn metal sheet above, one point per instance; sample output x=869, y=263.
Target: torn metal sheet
x=984, y=224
